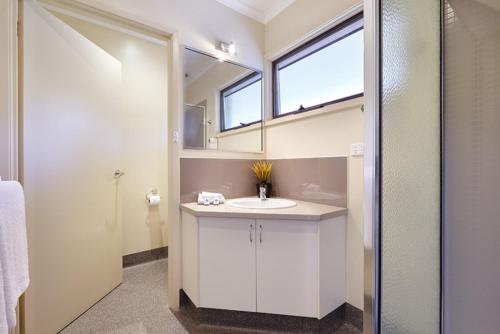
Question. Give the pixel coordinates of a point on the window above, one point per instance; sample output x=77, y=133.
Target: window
x=240, y=103
x=326, y=70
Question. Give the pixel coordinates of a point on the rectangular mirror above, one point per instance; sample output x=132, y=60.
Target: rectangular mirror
x=222, y=105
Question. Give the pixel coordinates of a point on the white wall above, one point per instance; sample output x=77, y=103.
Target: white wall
x=144, y=125
x=242, y=140
x=327, y=134
x=198, y=24
x=301, y=18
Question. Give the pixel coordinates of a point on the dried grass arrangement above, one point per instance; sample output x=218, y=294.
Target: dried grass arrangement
x=262, y=170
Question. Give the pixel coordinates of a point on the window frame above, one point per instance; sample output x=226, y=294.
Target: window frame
x=244, y=82
x=275, y=64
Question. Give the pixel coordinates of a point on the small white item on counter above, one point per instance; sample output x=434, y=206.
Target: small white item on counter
x=207, y=198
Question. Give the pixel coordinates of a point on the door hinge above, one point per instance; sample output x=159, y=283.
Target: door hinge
x=18, y=27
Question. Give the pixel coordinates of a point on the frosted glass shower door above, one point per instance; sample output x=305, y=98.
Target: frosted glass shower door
x=410, y=167
x=71, y=134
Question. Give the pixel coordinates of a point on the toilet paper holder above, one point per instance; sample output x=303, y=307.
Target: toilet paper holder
x=153, y=197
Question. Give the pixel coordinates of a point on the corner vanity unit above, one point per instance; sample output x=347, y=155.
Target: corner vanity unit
x=288, y=261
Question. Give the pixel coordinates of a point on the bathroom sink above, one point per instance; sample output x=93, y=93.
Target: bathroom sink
x=257, y=203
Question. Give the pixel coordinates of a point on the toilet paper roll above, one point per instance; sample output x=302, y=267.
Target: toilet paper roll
x=154, y=200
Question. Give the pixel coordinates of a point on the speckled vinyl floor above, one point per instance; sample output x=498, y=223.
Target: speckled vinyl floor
x=206, y=329
x=139, y=306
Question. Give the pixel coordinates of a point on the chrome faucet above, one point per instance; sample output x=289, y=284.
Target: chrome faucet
x=262, y=193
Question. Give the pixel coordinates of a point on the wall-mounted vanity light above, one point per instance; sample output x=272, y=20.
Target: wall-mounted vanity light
x=229, y=48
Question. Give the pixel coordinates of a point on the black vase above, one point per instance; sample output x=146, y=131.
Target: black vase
x=267, y=185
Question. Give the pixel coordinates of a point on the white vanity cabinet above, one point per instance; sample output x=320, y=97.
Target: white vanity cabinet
x=280, y=266
x=287, y=267
x=227, y=263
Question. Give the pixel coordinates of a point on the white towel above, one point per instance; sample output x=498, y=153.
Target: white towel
x=211, y=197
x=14, y=276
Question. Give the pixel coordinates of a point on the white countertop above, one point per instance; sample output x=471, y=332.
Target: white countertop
x=302, y=211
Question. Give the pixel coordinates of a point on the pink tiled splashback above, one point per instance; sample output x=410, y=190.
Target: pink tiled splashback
x=319, y=180
x=230, y=177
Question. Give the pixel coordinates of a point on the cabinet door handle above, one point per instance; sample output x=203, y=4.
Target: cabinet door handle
x=251, y=233
x=260, y=233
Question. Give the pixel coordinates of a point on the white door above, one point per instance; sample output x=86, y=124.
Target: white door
x=227, y=263
x=287, y=267
x=71, y=148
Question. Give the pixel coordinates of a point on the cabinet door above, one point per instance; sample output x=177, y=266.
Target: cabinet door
x=227, y=264
x=287, y=267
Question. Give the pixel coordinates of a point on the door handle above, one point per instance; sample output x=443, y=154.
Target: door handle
x=260, y=233
x=118, y=173
x=251, y=233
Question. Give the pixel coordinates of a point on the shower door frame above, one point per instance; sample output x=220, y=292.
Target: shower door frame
x=372, y=170
x=204, y=125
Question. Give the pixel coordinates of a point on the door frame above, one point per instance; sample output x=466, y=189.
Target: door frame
x=105, y=18
x=12, y=89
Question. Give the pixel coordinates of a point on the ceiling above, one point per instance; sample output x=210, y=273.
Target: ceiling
x=260, y=10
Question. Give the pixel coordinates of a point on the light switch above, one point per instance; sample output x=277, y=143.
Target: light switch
x=357, y=149
x=212, y=143
x=176, y=137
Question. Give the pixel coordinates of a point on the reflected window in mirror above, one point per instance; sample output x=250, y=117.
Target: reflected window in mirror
x=221, y=96
x=240, y=103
